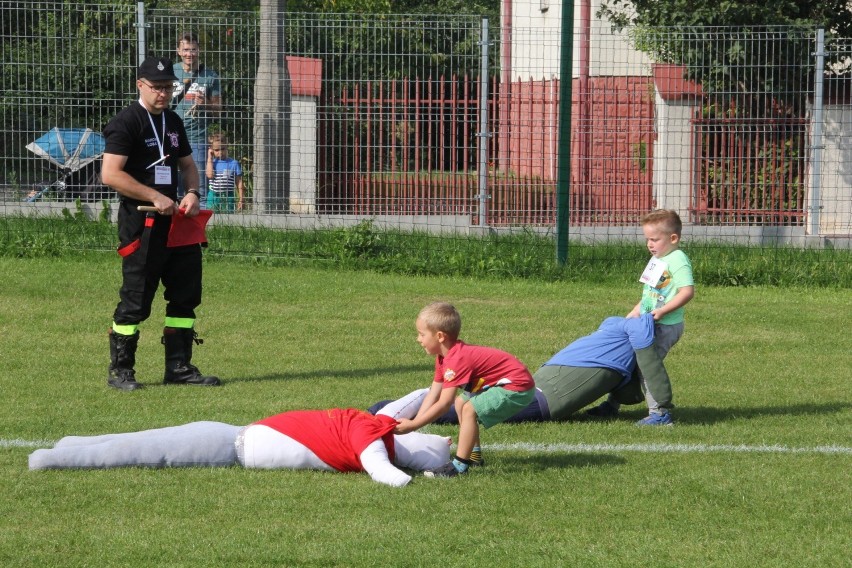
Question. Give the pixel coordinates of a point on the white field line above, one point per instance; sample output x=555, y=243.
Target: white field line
x=585, y=448
x=666, y=448
x=18, y=443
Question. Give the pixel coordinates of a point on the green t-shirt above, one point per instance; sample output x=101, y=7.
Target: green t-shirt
x=676, y=275
x=192, y=87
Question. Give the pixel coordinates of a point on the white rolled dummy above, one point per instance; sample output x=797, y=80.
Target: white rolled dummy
x=266, y=448
x=190, y=445
x=405, y=407
x=212, y=444
x=375, y=461
x=416, y=450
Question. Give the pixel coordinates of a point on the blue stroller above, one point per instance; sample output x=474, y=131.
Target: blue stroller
x=75, y=152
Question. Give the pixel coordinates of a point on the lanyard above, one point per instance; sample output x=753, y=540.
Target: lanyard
x=154, y=128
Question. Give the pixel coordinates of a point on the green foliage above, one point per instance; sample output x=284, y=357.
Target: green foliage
x=73, y=233
x=758, y=53
x=361, y=241
x=341, y=6
x=754, y=63
x=212, y=5
x=82, y=35
x=63, y=67
x=523, y=255
x=490, y=8
x=834, y=15
x=78, y=215
x=640, y=155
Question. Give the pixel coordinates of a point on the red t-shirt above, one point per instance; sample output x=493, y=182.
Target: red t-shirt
x=336, y=436
x=473, y=367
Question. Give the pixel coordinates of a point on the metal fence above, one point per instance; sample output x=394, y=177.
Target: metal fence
x=449, y=124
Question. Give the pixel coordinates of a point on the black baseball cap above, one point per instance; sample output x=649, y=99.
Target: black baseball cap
x=156, y=69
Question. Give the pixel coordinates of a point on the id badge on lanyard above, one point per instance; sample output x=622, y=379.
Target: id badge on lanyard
x=162, y=173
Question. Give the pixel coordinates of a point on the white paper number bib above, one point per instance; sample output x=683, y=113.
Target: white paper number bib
x=653, y=271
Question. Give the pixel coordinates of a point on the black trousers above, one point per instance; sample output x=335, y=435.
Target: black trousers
x=178, y=268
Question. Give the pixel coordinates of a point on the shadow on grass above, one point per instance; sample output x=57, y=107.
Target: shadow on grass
x=541, y=462
x=711, y=415
x=706, y=415
x=336, y=374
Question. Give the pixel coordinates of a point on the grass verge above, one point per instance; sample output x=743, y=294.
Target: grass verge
x=752, y=371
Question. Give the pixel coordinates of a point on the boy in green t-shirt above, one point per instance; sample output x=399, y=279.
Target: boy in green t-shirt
x=669, y=286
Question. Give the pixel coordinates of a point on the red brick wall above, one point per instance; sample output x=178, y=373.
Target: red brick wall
x=612, y=149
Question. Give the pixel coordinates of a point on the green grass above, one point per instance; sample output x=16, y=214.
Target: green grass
x=758, y=366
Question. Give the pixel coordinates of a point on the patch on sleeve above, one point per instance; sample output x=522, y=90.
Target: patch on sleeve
x=449, y=375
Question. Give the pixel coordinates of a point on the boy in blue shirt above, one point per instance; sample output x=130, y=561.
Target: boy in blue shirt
x=224, y=177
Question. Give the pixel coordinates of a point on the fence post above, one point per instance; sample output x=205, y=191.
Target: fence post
x=563, y=165
x=273, y=104
x=141, y=46
x=483, y=133
x=816, y=137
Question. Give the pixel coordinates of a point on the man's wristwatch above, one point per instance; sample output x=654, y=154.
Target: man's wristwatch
x=193, y=192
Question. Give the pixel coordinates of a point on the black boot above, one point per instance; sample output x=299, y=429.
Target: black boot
x=179, y=367
x=122, y=355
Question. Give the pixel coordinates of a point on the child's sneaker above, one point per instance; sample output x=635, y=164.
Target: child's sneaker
x=656, y=419
x=446, y=470
x=477, y=463
x=604, y=411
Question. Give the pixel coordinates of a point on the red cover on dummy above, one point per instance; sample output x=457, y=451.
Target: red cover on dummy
x=188, y=230
x=336, y=436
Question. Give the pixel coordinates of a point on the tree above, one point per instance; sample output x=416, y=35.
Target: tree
x=80, y=87
x=754, y=61
x=715, y=42
x=833, y=15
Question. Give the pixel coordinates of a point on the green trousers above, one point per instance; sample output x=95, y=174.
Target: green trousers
x=568, y=389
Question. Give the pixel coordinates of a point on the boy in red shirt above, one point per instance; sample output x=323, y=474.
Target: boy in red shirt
x=493, y=385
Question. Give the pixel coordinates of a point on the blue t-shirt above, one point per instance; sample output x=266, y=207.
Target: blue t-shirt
x=611, y=346
x=220, y=194
x=225, y=173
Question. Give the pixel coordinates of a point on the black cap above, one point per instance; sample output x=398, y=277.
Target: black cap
x=156, y=69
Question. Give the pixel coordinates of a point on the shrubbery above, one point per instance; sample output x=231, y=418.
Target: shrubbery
x=497, y=256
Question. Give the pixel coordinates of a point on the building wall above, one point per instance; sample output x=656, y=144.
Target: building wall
x=835, y=180
x=536, y=40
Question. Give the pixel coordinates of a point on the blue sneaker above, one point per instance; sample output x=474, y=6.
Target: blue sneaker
x=603, y=411
x=656, y=419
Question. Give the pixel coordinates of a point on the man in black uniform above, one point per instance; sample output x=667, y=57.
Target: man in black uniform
x=146, y=143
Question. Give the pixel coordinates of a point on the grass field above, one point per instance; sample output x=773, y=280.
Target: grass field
x=755, y=473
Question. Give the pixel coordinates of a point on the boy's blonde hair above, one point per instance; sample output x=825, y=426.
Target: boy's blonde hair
x=668, y=218
x=219, y=137
x=441, y=316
